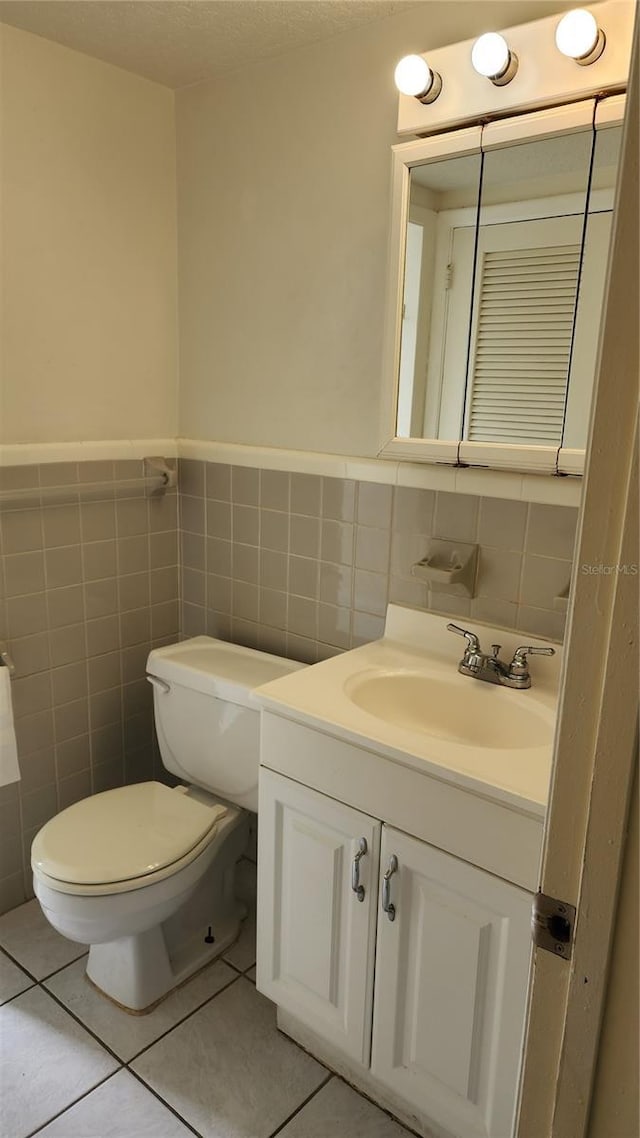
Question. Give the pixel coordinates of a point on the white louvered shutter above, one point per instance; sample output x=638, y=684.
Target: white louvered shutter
x=524, y=309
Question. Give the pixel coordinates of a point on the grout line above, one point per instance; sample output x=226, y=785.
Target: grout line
x=229, y=964
x=258, y=548
x=352, y=561
x=125, y=1062
x=280, y=1128
x=179, y=533
x=15, y=961
x=85, y=634
x=287, y=569
x=316, y=597
x=117, y=521
x=89, y=1030
x=24, y=991
x=63, y=966
x=72, y=1104
x=179, y=1022
x=523, y=560
x=164, y=1102
x=232, y=539
x=26, y=858
x=363, y=1094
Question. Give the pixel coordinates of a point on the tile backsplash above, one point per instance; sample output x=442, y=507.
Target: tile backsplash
x=296, y=564
x=305, y=565
x=87, y=587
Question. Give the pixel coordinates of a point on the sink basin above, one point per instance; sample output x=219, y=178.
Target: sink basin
x=402, y=697
x=460, y=710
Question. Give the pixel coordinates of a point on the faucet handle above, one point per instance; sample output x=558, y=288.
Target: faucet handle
x=473, y=644
x=519, y=662
x=525, y=651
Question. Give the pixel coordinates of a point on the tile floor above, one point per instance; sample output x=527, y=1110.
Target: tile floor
x=207, y=1061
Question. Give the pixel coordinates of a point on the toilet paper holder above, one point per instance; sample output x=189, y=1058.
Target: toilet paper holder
x=5, y=658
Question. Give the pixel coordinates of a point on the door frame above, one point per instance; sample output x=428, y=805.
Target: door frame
x=596, y=734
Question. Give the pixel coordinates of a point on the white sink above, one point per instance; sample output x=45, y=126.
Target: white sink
x=403, y=697
x=476, y=715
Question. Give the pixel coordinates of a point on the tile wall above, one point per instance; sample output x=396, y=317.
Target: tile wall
x=87, y=587
x=295, y=564
x=304, y=565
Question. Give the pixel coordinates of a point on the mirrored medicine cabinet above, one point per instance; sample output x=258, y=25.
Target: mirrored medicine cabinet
x=500, y=241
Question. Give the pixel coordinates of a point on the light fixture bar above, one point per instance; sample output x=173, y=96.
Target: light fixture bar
x=530, y=73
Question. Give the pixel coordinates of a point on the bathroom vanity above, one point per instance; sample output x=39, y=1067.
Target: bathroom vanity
x=401, y=817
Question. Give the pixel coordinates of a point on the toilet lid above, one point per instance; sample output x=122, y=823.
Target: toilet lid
x=122, y=834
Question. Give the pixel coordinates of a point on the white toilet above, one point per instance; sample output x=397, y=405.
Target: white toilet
x=144, y=874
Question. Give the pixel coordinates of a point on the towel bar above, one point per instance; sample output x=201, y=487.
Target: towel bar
x=5, y=659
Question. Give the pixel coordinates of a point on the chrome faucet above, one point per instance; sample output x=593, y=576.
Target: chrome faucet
x=492, y=669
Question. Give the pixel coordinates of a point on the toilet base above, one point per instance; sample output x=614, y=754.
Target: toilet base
x=138, y=971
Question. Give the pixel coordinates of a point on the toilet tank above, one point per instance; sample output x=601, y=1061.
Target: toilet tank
x=207, y=727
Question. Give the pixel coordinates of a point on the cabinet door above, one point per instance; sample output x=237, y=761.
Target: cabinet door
x=316, y=939
x=451, y=989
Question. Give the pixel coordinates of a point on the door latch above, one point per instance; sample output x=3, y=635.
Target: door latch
x=552, y=925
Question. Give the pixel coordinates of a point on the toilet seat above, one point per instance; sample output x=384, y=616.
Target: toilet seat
x=123, y=839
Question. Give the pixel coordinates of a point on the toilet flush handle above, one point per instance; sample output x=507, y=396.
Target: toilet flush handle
x=161, y=685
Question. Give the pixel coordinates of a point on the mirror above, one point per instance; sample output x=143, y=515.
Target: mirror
x=441, y=225
x=606, y=162
x=502, y=271
x=529, y=252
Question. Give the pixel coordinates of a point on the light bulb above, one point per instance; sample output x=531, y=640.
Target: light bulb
x=491, y=57
x=579, y=37
x=413, y=76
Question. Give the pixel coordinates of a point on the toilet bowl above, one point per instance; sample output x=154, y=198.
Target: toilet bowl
x=144, y=874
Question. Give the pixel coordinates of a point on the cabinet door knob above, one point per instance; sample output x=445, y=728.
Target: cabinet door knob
x=389, y=909
x=358, y=889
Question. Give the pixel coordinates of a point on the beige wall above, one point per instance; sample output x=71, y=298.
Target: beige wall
x=89, y=248
x=283, y=192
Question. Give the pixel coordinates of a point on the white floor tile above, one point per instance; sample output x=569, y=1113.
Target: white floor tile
x=242, y=954
x=12, y=979
x=119, y=1108
x=27, y=935
x=48, y=1062
x=337, y=1111
x=228, y=1071
x=128, y=1034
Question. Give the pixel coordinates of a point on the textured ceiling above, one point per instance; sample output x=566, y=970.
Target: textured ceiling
x=179, y=42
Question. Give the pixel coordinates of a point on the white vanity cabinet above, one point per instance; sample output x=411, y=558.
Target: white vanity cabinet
x=450, y=987
x=423, y=980
x=317, y=938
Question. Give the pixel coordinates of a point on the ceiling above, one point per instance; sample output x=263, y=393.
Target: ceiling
x=180, y=42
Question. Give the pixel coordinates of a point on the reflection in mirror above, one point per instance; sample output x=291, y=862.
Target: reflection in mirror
x=442, y=215
x=527, y=273
x=592, y=284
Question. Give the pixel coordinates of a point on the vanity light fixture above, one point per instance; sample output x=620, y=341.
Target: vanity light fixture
x=413, y=76
x=492, y=57
x=579, y=37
